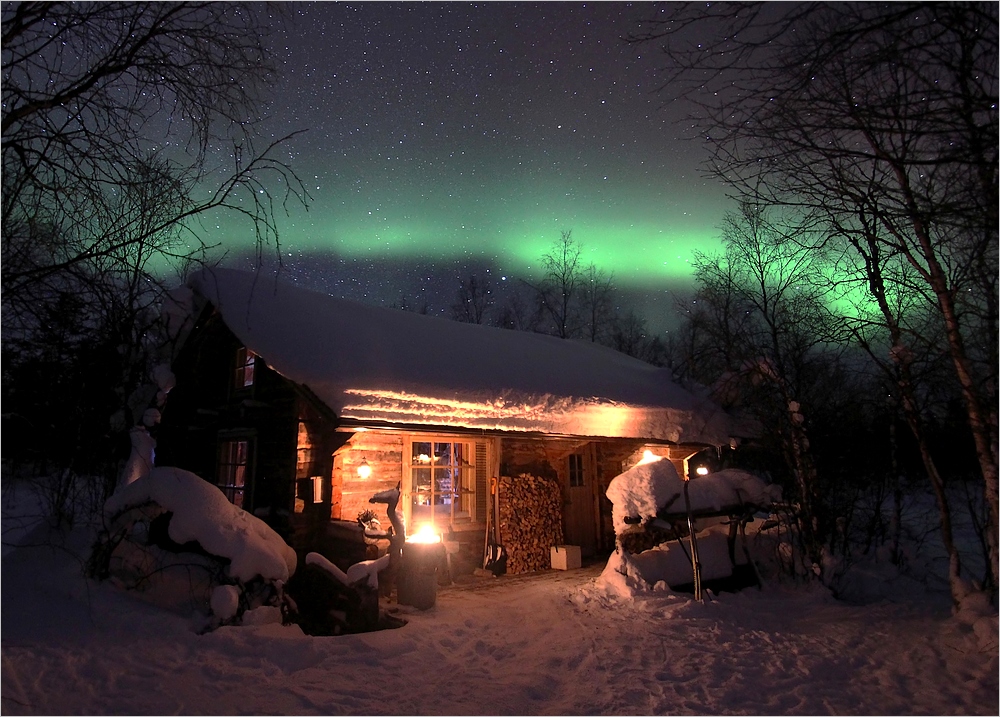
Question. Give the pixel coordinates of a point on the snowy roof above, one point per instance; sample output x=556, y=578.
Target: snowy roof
x=374, y=364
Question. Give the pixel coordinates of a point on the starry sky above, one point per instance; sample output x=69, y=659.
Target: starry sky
x=446, y=139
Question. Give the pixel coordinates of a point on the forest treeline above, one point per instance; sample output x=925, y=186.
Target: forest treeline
x=851, y=314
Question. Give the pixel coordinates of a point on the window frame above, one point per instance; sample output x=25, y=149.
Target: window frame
x=245, y=375
x=442, y=515
x=576, y=476
x=230, y=479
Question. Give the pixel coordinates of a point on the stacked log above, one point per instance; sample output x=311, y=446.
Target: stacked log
x=530, y=521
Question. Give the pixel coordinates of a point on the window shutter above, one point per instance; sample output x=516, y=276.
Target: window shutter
x=482, y=479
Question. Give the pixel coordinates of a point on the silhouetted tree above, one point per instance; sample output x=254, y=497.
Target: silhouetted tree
x=596, y=302
x=764, y=357
x=629, y=334
x=557, y=293
x=122, y=124
x=880, y=120
x=473, y=301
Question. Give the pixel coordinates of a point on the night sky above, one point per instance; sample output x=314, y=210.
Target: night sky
x=450, y=139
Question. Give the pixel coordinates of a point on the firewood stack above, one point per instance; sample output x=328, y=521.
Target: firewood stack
x=530, y=521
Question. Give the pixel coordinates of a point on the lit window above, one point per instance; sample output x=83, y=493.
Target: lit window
x=317, y=483
x=233, y=457
x=442, y=482
x=575, y=470
x=245, y=363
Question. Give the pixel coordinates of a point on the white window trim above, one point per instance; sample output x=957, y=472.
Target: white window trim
x=468, y=477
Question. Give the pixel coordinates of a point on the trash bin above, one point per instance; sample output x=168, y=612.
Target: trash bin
x=417, y=582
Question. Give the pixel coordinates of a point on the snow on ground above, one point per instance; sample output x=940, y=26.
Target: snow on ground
x=550, y=643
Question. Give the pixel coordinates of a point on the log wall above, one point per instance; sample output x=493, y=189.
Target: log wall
x=384, y=454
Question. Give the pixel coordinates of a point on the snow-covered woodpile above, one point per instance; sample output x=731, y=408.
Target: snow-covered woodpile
x=530, y=520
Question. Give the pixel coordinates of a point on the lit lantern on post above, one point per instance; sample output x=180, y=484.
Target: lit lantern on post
x=649, y=457
x=364, y=470
x=417, y=581
x=425, y=534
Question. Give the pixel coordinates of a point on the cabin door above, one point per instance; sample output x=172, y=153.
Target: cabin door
x=579, y=485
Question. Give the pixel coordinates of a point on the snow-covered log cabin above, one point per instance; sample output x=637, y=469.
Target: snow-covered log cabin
x=301, y=406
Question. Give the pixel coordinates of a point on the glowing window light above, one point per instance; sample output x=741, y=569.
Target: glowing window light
x=701, y=470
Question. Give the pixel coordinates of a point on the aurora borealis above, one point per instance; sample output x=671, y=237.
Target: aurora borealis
x=445, y=139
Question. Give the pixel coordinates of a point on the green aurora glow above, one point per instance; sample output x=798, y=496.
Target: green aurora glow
x=637, y=233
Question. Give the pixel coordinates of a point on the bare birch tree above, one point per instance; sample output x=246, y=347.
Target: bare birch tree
x=887, y=109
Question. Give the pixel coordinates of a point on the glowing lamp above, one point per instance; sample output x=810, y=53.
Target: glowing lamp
x=649, y=457
x=425, y=534
x=701, y=470
x=364, y=470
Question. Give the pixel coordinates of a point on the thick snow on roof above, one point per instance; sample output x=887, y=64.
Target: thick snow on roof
x=372, y=363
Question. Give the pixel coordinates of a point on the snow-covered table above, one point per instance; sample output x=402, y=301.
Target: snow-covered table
x=651, y=495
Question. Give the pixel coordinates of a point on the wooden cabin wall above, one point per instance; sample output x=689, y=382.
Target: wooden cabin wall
x=315, y=442
x=536, y=456
x=272, y=412
x=384, y=454
x=188, y=431
x=676, y=454
x=611, y=456
x=205, y=408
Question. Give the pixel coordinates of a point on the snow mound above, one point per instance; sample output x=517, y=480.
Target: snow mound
x=225, y=601
x=622, y=578
x=643, y=490
x=649, y=487
x=141, y=458
x=201, y=513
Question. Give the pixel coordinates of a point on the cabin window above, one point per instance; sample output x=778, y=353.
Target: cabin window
x=317, y=488
x=576, y=470
x=442, y=482
x=233, y=461
x=246, y=361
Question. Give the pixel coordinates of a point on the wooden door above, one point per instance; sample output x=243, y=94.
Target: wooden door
x=579, y=516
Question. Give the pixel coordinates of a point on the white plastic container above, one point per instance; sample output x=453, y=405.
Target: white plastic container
x=565, y=557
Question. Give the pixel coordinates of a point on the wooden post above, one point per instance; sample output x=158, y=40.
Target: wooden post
x=695, y=562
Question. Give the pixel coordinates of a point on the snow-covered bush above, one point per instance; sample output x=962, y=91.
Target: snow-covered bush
x=171, y=518
x=202, y=514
